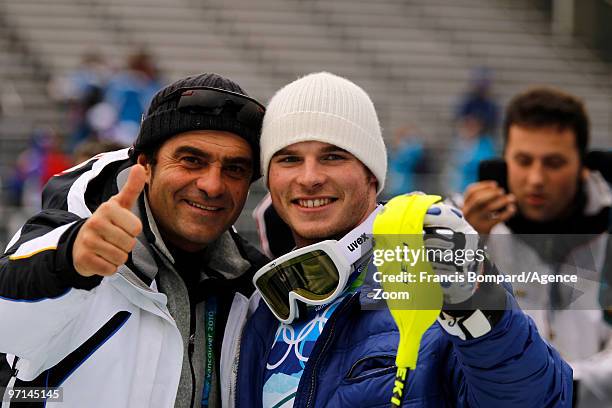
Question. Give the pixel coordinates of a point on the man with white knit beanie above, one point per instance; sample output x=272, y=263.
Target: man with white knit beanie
x=324, y=161
x=326, y=108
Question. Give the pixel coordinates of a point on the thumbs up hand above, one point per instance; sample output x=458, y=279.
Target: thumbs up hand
x=109, y=235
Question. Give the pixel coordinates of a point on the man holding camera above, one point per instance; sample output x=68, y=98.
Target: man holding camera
x=547, y=189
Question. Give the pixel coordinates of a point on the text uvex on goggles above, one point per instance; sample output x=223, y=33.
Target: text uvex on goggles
x=315, y=274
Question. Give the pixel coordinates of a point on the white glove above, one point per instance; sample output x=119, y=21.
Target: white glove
x=457, y=250
x=469, y=311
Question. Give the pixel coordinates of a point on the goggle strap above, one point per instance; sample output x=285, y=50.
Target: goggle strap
x=358, y=242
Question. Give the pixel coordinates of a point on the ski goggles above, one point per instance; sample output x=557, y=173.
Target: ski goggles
x=315, y=274
x=215, y=101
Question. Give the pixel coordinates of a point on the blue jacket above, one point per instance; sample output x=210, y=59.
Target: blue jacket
x=352, y=364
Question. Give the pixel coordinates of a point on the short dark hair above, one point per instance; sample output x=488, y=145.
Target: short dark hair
x=150, y=154
x=542, y=107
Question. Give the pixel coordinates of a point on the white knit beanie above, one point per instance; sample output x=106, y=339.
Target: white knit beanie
x=326, y=108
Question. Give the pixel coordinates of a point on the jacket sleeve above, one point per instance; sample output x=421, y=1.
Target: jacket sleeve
x=593, y=374
x=40, y=291
x=510, y=366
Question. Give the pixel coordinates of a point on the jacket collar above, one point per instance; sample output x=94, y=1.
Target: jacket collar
x=590, y=213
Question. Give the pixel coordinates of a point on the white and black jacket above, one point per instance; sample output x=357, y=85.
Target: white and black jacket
x=577, y=329
x=116, y=341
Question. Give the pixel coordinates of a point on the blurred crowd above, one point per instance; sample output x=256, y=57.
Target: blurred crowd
x=103, y=107
x=107, y=103
x=415, y=164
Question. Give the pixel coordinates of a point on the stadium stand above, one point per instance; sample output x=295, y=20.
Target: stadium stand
x=413, y=56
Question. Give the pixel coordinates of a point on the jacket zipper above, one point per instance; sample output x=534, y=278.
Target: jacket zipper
x=328, y=339
x=233, y=379
x=259, y=398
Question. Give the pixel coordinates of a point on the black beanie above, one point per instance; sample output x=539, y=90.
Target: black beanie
x=163, y=120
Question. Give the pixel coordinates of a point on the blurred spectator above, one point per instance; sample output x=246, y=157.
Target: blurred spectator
x=551, y=191
x=81, y=90
x=91, y=148
x=35, y=166
x=471, y=147
x=478, y=103
x=129, y=92
x=406, y=156
x=11, y=103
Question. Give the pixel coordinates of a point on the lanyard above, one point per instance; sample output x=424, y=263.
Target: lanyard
x=211, y=315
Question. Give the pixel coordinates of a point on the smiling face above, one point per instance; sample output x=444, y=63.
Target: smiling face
x=197, y=186
x=320, y=190
x=543, y=170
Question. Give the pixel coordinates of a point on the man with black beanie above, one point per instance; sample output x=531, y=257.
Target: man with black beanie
x=116, y=294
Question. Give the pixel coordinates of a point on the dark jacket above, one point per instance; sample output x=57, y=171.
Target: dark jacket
x=353, y=364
